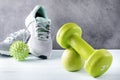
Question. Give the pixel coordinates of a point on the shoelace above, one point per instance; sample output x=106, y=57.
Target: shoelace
x=42, y=30
x=12, y=36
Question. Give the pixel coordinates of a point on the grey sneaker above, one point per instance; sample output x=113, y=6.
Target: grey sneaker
x=22, y=35
x=38, y=24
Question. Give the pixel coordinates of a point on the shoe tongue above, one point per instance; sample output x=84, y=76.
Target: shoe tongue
x=42, y=21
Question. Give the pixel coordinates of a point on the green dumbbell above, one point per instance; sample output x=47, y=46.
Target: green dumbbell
x=97, y=62
x=71, y=60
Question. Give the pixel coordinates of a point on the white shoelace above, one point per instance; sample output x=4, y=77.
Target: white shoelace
x=43, y=30
x=13, y=36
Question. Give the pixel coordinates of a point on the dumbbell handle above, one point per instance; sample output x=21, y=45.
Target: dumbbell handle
x=81, y=46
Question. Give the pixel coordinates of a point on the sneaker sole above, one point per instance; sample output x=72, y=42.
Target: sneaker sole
x=4, y=53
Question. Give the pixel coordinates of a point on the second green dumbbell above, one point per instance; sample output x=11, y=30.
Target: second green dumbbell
x=97, y=62
x=71, y=60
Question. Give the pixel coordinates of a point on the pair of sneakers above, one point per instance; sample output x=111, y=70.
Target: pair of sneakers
x=37, y=34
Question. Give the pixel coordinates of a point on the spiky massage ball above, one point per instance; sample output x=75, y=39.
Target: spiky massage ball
x=19, y=50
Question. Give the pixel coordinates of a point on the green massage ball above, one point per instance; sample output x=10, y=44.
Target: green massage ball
x=19, y=50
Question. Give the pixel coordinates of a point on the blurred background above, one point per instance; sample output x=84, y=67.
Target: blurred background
x=99, y=19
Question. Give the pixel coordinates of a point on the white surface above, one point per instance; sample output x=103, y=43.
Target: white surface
x=51, y=69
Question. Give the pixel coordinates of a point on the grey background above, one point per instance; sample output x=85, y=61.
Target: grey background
x=99, y=19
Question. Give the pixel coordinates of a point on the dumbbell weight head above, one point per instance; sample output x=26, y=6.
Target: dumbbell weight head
x=98, y=63
x=71, y=60
x=65, y=32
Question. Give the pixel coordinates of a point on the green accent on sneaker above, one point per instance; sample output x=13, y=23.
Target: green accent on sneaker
x=41, y=12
